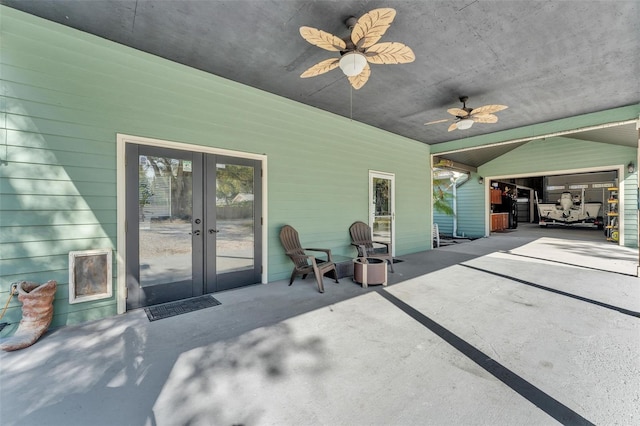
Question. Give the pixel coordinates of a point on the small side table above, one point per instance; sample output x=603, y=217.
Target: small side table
x=344, y=265
x=368, y=270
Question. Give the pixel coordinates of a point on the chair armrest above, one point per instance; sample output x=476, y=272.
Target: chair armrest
x=384, y=243
x=362, y=249
x=326, y=251
x=302, y=256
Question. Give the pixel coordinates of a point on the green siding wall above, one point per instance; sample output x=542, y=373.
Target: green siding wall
x=558, y=154
x=471, y=214
x=445, y=222
x=64, y=97
x=631, y=209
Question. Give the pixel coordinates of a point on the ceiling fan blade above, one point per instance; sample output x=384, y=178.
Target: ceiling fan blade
x=323, y=39
x=357, y=81
x=321, y=68
x=458, y=112
x=371, y=26
x=452, y=127
x=488, y=109
x=485, y=118
x=390, y=53
x=438, y=121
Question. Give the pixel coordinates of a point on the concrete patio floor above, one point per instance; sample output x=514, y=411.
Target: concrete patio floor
x=520, y=328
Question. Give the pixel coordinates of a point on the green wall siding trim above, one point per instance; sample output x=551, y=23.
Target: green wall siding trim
x=64, y=97
x=557, y=154
x=630, y=112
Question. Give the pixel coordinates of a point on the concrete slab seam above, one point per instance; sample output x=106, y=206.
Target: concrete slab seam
x=533, y=394
x=568, y=263
x=556, y=291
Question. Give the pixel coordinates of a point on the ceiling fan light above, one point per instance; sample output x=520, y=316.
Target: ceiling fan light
x=352, y=63
x=464, y=124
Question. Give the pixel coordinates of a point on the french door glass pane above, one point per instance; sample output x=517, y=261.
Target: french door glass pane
x=165, y=212
x=382, y=209
x=234, y=218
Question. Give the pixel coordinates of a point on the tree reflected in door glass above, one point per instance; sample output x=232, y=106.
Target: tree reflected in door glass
x=165, y=210
x=234, y=218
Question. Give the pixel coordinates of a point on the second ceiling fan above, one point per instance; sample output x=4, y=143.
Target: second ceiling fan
x=360, y=49
x=465, y=117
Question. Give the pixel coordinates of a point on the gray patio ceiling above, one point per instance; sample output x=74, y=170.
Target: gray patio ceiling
x=546, y=60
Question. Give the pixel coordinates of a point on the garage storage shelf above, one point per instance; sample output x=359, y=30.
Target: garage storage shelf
x=611, y=230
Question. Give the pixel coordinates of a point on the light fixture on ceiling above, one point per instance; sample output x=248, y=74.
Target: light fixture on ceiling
x=464, y=124
x=631, y=167
x=352, y=63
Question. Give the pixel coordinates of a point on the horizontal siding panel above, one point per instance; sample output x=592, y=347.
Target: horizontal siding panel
x=631, y=210
x=444, y=222
x=55, y=172
x=90, y=312
x=58, y=128
x=56, y=217
x=470, y=210
x=39, y=269
x=58, y=143
x=50, y=157
x=16, y=234
x=49, y=187
x=49, y=248
x=45, y=268
x=55, y=202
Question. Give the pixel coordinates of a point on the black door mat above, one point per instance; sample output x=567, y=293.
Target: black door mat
x=171, y=309
x=398, y=260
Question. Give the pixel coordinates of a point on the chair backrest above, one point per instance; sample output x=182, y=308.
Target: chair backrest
x=361, y=234
x=291, y=244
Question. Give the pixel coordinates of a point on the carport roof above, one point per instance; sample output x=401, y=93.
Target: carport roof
x=474, y=157
x=546, y=60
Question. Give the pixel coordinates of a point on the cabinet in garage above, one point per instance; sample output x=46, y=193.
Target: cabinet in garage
x=499, y=221
x=504, y=212
x=611, y=230
x=496, y=196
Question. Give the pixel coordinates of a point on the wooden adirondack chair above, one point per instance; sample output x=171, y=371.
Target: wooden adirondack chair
x=305, y=264
x=362, y=239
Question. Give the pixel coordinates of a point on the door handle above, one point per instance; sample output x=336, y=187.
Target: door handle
x=214, y=231
x=196, y=232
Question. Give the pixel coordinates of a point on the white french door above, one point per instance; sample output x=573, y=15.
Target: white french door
x=382, y=216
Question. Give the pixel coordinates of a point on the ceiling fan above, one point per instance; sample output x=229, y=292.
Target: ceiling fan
x=465, y=116
x=360, y=49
